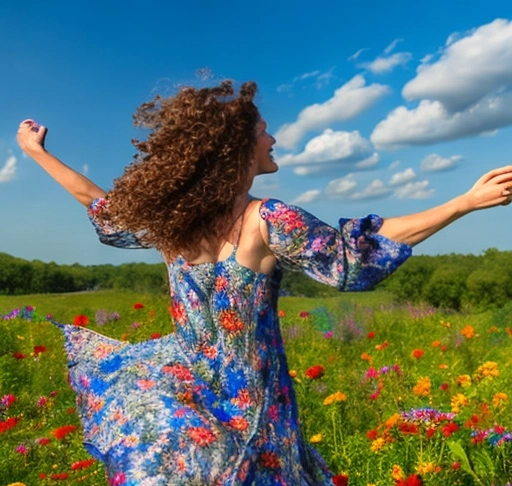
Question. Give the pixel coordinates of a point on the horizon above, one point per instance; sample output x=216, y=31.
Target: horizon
x=377, y=107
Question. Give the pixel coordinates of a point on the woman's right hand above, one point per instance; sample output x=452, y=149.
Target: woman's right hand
x=31, y=137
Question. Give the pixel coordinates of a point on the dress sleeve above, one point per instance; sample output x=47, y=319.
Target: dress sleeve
x=108, y=233
x=354, y=257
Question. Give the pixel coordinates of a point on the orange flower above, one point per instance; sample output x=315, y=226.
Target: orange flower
x=436, y=344
x=239, y=423
x=468, y=332
x=366, y=357
x=423, y=387
x=464, y=381
x=201, y=435
x=231, y=321
x=417, y=353
x=380, y=347
x=61, y=432
x=499, y=399
x=281, y=313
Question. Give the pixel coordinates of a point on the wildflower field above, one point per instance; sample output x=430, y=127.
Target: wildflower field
x=389, y=394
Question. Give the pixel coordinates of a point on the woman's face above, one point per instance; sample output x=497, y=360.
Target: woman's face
x=262, y=158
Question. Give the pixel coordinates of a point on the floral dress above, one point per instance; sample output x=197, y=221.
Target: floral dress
x=213, y=403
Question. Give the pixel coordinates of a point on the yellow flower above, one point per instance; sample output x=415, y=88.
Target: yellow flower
x=377, y=444
x=489, y=368
x=445, y=324
x=468, y=331
x=17, y=484
x=428, y=467
x=293, y=373
x=423, y=387
x=459, y=401
x=335, y=397
x=464, y=380
x=499, y=399
x=397, y=473
x=315, y=439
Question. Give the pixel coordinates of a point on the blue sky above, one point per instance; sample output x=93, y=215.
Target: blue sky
x=385, y=107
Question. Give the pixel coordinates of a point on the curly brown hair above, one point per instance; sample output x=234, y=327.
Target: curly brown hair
x=181, y=188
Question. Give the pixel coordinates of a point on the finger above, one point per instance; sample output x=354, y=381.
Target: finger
x=501, y=171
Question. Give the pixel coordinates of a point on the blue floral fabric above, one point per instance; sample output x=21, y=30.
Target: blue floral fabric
x=213, y=403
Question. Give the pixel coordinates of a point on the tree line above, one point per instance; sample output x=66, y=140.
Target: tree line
x=451, y=281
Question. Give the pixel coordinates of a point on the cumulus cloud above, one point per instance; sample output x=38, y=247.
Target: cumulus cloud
x=376, y=189
x=307, y=197
x=8, y=171
x=342, y=187
x=403, y=177
x=466, y=91
x=348, y=101
x=469, y=68
x=414, y=190
x=434, y=162
x=430, y=122
x=331, y=146
x=386, y=64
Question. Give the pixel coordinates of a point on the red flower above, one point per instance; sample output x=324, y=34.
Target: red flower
x=417, y=353
x=39, y=349
x=19, y=355
x=456, y=465
x=340, y=480
x=304, y=314
x=43, y=441
x=444, y=386
x=370, y=335
x=372, y=434
x=156, y=335
x=59, y=476
x=61, y=432
x=82, y=464
x=7, y=424
x=138, y=305
x=315, y=372
x=412, y=480
x=269, y=460
x=449, y=429
x=81, y=320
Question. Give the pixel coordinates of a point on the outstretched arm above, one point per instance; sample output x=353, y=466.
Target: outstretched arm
x=492, y=189
x=31, y=137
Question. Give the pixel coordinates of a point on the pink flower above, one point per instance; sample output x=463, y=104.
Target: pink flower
x=21, y=449
x=118, y=479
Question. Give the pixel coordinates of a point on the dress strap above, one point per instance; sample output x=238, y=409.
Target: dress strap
x=241, y=218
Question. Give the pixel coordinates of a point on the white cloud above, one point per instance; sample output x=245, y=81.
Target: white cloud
x=394, y=165
x=403, y=177
x=307, y=197
x=466, y=92
x=430, y=122
x=342, y=187
x=355, y=56
x=306, y=75
x=284, y=88
x=330, y=146
x=374, y=190
x=389, y=49
x=386, y=64
x=414, y=190
x=85, y=169
x=469, y=69
x=368, y=162
x=8, y=171
x=434, y=162
x=348, y=101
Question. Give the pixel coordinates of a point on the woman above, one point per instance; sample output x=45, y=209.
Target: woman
x=213, y=403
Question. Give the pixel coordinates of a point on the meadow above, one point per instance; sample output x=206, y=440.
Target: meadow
x=389, y=394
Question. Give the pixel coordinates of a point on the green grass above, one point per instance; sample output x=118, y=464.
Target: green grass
x=365, y=344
